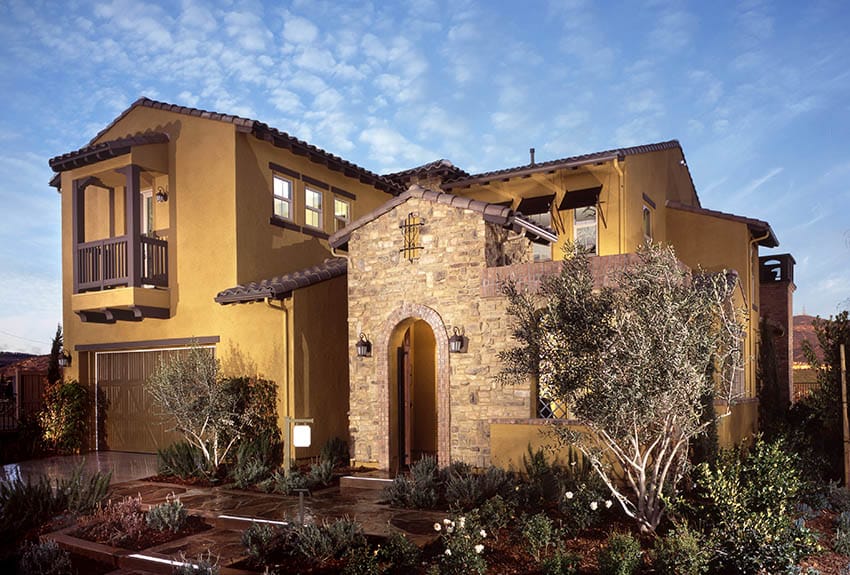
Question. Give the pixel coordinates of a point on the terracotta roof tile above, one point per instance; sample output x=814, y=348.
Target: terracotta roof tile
x=442, y=168
x=282, y=286
x=104, y=150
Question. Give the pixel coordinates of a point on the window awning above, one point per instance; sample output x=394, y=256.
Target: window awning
x=536, y=205
x=580, y=198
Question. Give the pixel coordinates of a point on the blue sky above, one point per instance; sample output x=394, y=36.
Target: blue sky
x=758, y=93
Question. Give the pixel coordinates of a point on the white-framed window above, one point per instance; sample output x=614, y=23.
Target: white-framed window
x=585, y=229
x=541, y=252
x=147, y=212
x=282, y=197
x=313, y=208
x=647, y=224
x=342, y=213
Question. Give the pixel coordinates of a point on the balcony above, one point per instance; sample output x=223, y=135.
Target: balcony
x=105, y=264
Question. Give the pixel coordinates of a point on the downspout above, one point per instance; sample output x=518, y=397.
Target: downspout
x=753, y=327
x=621, y=189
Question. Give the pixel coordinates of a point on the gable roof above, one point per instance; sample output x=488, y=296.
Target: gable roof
x=757, y=227
x=493, y=213
x=282, y=286
x=260, y=131
x=94, y=153
x=570, y=162
x=443, y=168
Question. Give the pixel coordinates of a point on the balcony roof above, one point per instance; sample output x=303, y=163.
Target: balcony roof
x=94, y=153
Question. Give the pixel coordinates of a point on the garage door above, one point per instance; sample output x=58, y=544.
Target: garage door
x=128, y=417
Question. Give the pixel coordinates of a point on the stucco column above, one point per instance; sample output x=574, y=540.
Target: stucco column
x=132, y=223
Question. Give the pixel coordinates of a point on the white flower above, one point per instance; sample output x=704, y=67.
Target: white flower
x=448, y=551
x=461, y=522
x=450, y=529
x=479, y=548
x=483, y=533
x=437, y=527
x=446, y=521
x=608, y=504
x=568, y=494
x=594, y=505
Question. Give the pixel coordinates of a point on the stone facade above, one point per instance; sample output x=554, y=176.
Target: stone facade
x=443, y=288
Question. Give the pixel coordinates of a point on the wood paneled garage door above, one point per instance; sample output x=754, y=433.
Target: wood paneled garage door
x=128, y=418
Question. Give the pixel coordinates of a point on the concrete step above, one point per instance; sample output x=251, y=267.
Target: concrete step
x=373, y=480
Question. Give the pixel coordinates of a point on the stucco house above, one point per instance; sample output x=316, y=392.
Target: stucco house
x=372, y=300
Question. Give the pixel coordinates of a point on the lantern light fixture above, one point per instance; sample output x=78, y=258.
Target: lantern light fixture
x=161, y=195
x=64, y=359
x=457, y=341
x=363, y=346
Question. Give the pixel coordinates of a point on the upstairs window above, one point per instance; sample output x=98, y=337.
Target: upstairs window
x=585, y=229
x=282, y=197
x=647, y=224
x=342, y=214
x=539, y=210
x=313, y=208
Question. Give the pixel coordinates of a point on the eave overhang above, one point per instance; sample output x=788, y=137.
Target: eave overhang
x=281, y=287
x=104, y=151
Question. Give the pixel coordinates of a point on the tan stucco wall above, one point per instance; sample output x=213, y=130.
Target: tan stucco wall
x=444, y=283
x=739, y=426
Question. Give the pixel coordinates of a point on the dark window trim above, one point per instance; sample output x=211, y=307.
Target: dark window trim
x=129, y=345
x=343, y=193
x=648, y=200
x=315, y=232
x=284, y=170
x=315, y=182
x=284, y=223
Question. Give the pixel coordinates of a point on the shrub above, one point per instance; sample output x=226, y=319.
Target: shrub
x=680, y=552
x=287, y=484
x=584, y=497
x=256, y=459
x=841, y=541
x=361, y=561
x=495, y=514
x=541, y=480
x=328, y=540
x=462, y=487
x=45, y=558
x=399, y=492
x=183, y=460
x=203, y=564
x=264, y=541
x=63, y=419
x=420, y=489
x=83, y=492
x=118, y=523
x=169, y=515
x=335, y=451
x=561, y=563
x=749, y=501
x=538, y=533
x=23, y=505
x=621, y=555
x=400, y=553
x=321, y=473
x=463, y=547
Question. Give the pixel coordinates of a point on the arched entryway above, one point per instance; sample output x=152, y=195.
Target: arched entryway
x=413, y=393
x=415, y=408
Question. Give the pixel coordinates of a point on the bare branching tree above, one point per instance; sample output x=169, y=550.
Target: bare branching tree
x=634, y=364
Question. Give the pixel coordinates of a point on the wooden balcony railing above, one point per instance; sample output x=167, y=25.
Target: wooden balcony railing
x=103, y=264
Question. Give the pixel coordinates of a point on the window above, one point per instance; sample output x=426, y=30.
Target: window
x=342, y=214
x=147, y=212
x=282, y=197
x=313, y=208
x=584, y=229
x=541, y=252
x=647, y=224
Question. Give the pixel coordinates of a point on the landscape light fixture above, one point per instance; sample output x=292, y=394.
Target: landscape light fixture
x=456, y=341
x=364, y=346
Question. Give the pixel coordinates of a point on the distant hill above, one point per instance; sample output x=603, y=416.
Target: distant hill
x=7, y=357
x=804, y=330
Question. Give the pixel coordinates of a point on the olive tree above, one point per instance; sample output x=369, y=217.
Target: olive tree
x=212, y=412
x=634, y=363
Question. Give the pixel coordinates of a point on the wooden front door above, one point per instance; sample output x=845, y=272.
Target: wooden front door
x=405, y=379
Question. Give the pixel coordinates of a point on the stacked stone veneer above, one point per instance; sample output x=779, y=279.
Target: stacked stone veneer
x=442, y=287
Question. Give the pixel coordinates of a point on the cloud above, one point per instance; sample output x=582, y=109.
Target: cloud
x=754, y=185
x=299, y=30
x=392, y=150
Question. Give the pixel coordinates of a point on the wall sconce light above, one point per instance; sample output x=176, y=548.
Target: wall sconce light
x=161, y=195
x=457, y=342
x=64, y=359
x=364, y=346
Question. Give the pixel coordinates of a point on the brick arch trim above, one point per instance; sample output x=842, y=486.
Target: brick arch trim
x=443, y=373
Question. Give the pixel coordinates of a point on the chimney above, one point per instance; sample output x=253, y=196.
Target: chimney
x=531, y=153
x=776, y=295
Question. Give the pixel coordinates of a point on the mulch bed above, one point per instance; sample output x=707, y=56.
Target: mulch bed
x=147, y=537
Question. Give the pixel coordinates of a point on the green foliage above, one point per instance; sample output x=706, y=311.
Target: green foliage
x=63, y=419
x=463, y=546
x=749, y=501
x=183, y=459
x=321, y=473
x=584, y=498
x=681, y=552
x=45, y=558
x=496, y=513
x=213, y=413
x=538, y=534
x=841, y=541
x=257, y=458
x=540, y=487
x=621, y=555
x=418, y=490
x=561, y=563
x=335, y=451
x=54, y=372
x=203, y=564
x=361, y=561
x=328, y=540
x=400, y=553
x=169, y=515
x=597, y=351
x=264, y=541
x=82, y=493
